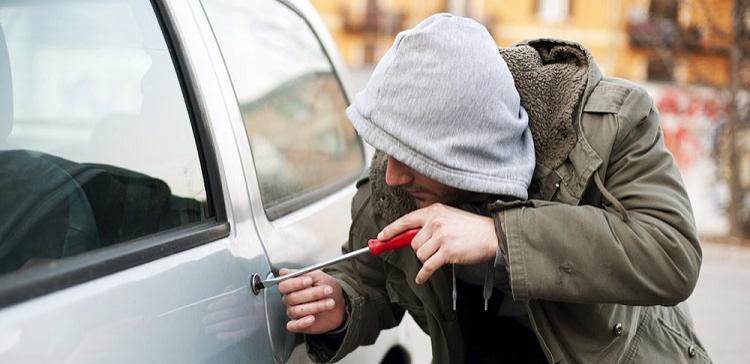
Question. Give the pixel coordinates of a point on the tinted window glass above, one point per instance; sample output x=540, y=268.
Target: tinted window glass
x=291, y=102
x=96, y=144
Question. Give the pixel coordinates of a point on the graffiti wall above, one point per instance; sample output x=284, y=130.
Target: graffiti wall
x=691, y=118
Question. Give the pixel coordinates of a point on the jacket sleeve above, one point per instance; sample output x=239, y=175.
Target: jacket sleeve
x=592, y=254
x=369, y=307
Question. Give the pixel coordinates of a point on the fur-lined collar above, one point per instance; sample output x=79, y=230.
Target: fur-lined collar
x=551, y=77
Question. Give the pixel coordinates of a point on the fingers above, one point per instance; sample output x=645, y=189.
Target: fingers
x=427, y=249
x=415, y=219
x=295, y=284
x=317, y=275
x=420, y=239
x=310, y=308
x=430, y=266
x=307, y=295
x=411, y=220
x=301, y=324
x=314, y=302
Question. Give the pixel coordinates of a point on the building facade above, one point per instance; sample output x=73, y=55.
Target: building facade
x=680, y=41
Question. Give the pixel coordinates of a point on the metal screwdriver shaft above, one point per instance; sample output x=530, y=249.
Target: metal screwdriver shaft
x=374, y=248
x=297, y=273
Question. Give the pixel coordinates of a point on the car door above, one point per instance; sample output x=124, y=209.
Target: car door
x=125, y=235
x=303, y=156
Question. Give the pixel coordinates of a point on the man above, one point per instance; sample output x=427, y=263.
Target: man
x=591, y=268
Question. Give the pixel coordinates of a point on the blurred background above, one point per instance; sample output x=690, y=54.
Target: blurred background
x=693, y=56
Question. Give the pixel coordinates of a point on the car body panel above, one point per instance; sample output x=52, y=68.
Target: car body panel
x=160, y=312
x=195, y=306
x=190, y=307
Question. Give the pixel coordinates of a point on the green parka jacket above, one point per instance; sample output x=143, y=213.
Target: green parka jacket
x=602, y=255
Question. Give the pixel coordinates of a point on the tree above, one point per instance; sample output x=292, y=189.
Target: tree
x=738, y=120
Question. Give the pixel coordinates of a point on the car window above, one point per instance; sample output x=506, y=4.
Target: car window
x=96, y=142
x=291, y=101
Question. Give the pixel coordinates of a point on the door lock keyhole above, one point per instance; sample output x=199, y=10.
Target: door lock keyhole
x=256, y=284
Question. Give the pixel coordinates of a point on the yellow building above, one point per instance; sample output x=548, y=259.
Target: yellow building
x=685, y=41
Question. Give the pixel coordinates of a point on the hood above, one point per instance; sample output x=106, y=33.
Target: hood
x=552, y=78
x=442, y=102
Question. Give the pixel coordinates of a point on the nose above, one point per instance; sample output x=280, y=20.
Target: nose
x=397, y=173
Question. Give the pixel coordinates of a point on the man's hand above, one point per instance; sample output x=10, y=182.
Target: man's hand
x=448, y=235
x=314, y=302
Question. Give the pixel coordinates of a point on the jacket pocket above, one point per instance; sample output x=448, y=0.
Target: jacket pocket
x=658, y=340
x=693, y=350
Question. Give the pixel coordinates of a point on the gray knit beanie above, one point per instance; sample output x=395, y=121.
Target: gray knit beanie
x=442, y=101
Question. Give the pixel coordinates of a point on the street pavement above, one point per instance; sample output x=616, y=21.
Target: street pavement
x=720, y=303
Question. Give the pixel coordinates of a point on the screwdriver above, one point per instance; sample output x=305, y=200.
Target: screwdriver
x=374, y=248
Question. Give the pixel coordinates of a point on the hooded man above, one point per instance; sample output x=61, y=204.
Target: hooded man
x=554, y=223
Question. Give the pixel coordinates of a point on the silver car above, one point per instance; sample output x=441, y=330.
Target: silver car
x=154, y=155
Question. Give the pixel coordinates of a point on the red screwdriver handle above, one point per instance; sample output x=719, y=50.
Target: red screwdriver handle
x=397, y=242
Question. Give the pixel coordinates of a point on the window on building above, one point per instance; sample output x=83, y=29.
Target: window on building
x=553, y=11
